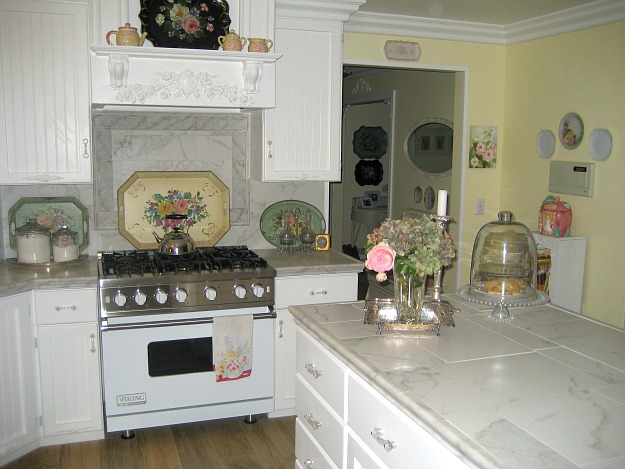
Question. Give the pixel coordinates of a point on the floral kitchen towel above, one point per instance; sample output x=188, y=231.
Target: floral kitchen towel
x=232, y=346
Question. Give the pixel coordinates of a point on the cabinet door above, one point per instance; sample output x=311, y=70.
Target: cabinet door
x=18, y=408
x=302, y=135
x=70, y=378
x=285, y=364
x=44, y=94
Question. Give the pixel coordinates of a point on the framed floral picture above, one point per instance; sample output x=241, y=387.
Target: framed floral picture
x=483, y=148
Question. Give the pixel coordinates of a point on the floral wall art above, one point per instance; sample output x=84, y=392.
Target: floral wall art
x=483, y=149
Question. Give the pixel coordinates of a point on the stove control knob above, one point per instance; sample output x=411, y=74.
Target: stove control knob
x=258, y=290
x=140, y=298
x=239, y=291
x=210, y=293
x=119, y=299
x=160, y=296
x=180, y=294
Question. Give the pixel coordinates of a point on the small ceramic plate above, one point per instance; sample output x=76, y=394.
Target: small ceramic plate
x=571, y=131
x=600, y=144
x=430, y=198
x=545, y=143
x=418, y=194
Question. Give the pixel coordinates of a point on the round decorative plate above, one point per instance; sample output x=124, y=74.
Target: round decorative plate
x=370, y=142
x=430, y=198
x=418, y=194
x=295, y=211
x=600, y=144
x=545, y=143
x=571, y=131
x=193, y=24
x=369, y=172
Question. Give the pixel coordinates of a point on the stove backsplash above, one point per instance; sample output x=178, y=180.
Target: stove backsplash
x=125, y=142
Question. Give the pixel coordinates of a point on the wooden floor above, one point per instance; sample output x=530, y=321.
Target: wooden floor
x=219, y=444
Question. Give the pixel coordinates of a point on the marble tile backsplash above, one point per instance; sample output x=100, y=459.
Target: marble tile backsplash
x=125, y=142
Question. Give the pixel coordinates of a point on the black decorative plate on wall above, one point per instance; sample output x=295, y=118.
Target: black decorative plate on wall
x=190, y=24
x=370, y=142
x=369, y=172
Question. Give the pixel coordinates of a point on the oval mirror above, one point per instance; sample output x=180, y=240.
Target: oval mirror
x=429, y=147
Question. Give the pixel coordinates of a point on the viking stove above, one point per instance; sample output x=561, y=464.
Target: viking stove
x=148, y=282
x=156, y=322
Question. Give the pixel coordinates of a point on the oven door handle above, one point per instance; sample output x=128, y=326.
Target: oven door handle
x=184, y=322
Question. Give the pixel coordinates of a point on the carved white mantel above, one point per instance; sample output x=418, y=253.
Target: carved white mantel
x=182, y=77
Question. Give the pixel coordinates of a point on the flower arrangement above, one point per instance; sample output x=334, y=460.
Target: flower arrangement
x=483, y=152
x=411, y=246
x=175, y=202
x=184, y=23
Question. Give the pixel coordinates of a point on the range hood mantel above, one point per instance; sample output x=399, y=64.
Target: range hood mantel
x=182, y=77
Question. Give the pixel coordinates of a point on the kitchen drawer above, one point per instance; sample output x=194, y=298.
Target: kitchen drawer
x=360, y=456
x=409, y=445
x=316, y=289
x=308, y=453
x=66, y=306
x=320, y=420
x=324, y=373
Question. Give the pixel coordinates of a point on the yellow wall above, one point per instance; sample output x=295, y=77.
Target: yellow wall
x=582, y=72
x=522, y=89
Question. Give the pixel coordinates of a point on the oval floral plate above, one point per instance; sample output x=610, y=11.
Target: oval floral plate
x=295, y=212
x=192, y=24
x=571, y=131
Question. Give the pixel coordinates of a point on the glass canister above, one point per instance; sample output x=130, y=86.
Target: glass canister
x=33, y=243
x=503, y=264
x=65, y=244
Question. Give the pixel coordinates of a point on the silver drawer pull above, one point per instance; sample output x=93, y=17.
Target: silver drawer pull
x=62, y=308
x=312, y=369
x=281, y=330
x=318, y=292
x=92, y=337
x=309, y=464
x=388, y=445
x=310, y=419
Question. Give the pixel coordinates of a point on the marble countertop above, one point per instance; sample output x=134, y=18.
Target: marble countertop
x=15, y=278
x=544, y=391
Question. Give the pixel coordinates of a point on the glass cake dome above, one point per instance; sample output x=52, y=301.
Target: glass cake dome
x=503, y=267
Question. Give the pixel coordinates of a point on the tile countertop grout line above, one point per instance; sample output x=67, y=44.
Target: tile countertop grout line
x=455, y=440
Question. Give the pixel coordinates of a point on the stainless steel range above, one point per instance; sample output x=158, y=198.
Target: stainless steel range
x=157, y=314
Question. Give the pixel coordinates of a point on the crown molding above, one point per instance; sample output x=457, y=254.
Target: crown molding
x=329, y=10
x=591, y=15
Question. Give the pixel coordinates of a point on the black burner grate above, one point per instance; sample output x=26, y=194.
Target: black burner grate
x=118, y=264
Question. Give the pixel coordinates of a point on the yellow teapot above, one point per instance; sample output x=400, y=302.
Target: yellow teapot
x=126, y=36
x=232, y=41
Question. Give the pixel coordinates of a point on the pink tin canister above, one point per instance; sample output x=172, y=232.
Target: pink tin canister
x=555, y=218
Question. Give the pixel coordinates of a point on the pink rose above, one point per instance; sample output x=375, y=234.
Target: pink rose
x=380, y=258
x=190, y=24
x=480, y=148
x=181, y=206
x=381, y=277
x=488, y=156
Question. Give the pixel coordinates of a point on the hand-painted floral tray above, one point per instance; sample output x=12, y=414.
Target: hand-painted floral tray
x=147, y=197
x=51, y=212
x=295, y=212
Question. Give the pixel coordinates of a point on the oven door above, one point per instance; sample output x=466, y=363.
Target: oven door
x=161, y=372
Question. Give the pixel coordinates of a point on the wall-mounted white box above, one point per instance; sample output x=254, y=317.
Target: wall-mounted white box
x=568, y=177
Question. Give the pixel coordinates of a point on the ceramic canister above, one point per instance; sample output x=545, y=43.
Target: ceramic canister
x=555, y=218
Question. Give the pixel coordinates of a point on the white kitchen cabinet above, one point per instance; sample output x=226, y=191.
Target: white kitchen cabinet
x=44, y=97
x=566, y=275
x=301, y=290
x=301, y=137
x=69, y=359
x=19, y=429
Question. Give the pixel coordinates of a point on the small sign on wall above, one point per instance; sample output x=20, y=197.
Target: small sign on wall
x=402, y=50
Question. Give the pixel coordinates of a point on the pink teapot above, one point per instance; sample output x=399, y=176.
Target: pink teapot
x=126, y=36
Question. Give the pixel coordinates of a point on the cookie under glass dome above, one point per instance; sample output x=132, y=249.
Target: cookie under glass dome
x=503, y=268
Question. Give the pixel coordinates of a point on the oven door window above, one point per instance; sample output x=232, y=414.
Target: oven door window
x=179, y=357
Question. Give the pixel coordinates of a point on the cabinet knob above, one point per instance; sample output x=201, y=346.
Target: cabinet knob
x=310, y=419
x=92, y=348
x=312, y=369
x=269, y=154
x=309, y=464
x=63, y=308
x=318, y=292
x=377, y=434
x=85, y=142
x=280, y=329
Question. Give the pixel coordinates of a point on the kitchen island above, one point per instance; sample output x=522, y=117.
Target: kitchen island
x=544, y=391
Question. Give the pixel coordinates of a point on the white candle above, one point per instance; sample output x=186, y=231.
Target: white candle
x=441, y=209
